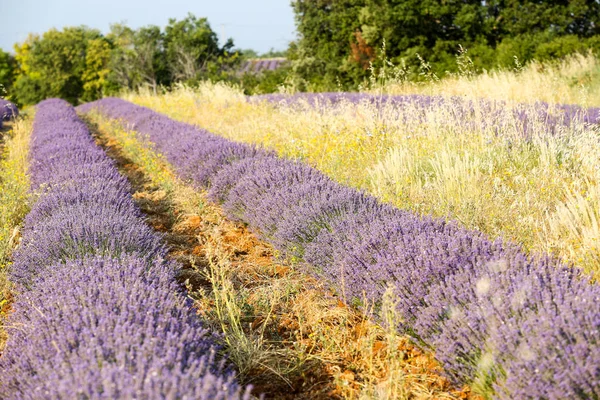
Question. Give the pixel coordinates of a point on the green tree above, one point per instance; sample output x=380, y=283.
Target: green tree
x=192, y=49
x=80, y=64
x=558, y=17
x=7, y=72
x=122, y=58
x=54, y=65
x=433, y=29
x=138, y=58
x=339, y=40
x=95, y=75
x=326, y=29
x=151, y=62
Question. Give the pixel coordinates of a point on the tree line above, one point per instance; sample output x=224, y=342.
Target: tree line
x=81, y=64
x=340, y=45
x=341, y=40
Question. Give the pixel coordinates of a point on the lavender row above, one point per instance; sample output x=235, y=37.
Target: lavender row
x=98, y=313
x=8, y=111
x=528, y=327
x=260, y=65
x=497, y=116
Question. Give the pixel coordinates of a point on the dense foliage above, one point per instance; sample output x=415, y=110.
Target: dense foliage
x=522, y=326
x=7, y=71
x=98, y=312
x=66, y=64
x=80, y=64
x=340, y=44
x=338, y=40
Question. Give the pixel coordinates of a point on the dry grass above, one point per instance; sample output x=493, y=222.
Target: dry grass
x=14, y=186
x=503, y=185
x=574, y=80
x=286, y=333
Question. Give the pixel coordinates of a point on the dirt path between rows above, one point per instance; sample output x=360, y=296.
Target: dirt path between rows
x=185, y=236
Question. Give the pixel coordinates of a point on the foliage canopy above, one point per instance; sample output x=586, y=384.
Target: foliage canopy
x=339, y=40
x=80, y=64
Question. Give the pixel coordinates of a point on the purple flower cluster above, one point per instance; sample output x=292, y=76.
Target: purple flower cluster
x=98, y=313
x=8, y=111
x=525, y=326
x=262, y=64
x=498, y=115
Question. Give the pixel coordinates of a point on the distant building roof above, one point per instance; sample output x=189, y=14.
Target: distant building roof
x=255, y=65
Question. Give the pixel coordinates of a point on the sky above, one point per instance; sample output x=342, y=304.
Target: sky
x=253, y=24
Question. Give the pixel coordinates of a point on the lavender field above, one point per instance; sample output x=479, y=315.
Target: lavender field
x=494, y=314
x=97, y=304
x=300, y=200
x=98, y=312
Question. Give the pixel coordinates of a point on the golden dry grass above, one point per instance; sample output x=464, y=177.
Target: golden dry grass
x=573, y=80
x=14, y=186
x=540, y=191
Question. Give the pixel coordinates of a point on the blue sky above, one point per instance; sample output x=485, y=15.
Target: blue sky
x=256, y=24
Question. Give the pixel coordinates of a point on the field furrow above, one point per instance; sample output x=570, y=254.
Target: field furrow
x=14, y=203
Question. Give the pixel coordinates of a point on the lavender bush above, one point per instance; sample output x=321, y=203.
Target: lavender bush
x=524, y=326
x=260, y=65
x=8, y=110
x=98, y=313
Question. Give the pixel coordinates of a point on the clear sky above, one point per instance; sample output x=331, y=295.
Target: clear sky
x=255, y=24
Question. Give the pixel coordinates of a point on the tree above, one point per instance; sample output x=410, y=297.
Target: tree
x=559, y=17
x=95, y=75
x=80, y=64
x=54, y=65
x=326, y=29
x=339, y=40
x=150, y=62
x=187, y=50
x=433, y=29
x=138, y=58
x=192, y=48
x=7, y=72
x=122, y=58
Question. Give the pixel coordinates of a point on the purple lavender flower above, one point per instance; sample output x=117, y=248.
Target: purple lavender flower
x=527, y=326
x=552, y=118
x=98, y=313
x=8, y=110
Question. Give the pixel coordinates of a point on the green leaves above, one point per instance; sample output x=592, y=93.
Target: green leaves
x=57, y=65
x=79, y=64
x=336, y=38
x=7, y=70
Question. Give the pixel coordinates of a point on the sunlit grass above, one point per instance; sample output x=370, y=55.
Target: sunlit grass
x=540, y=191
x=14, y=186
x=573, y=80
